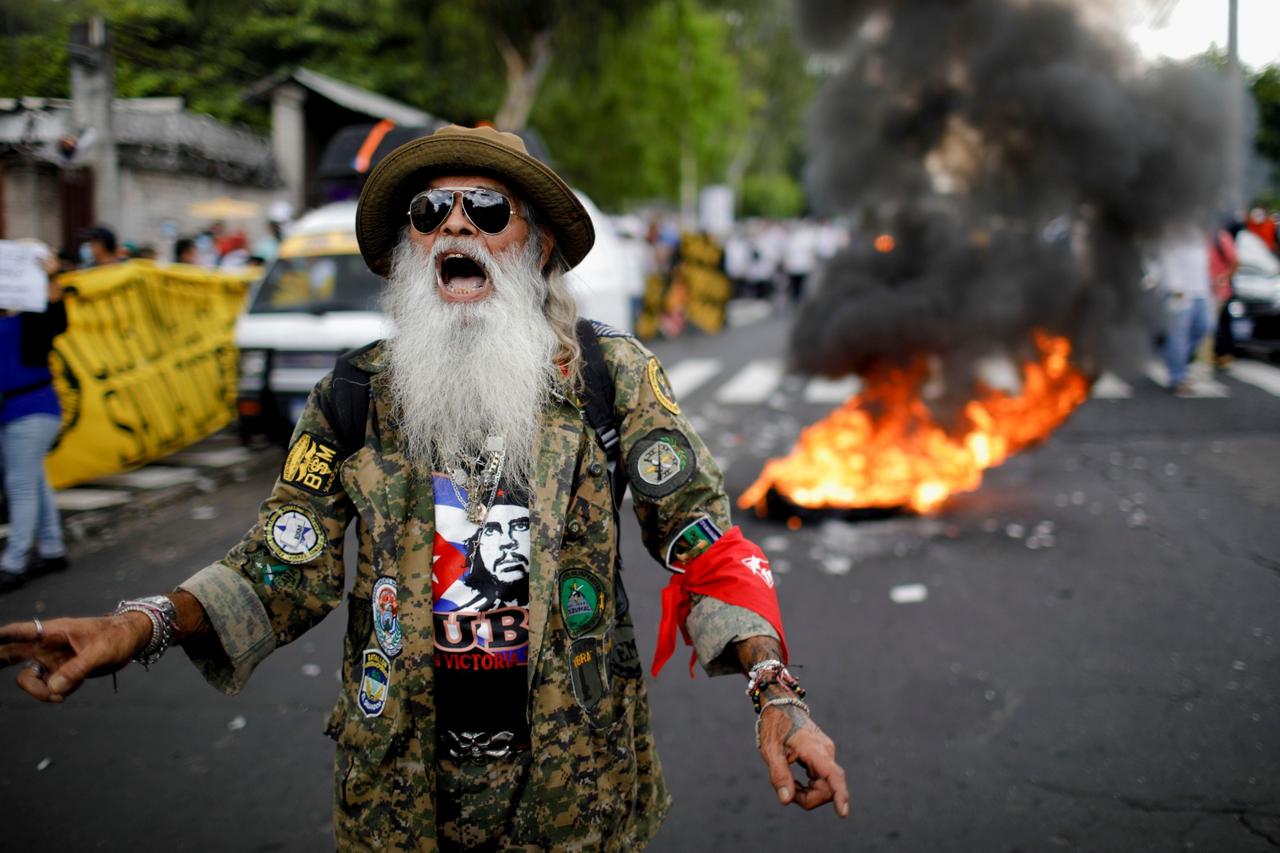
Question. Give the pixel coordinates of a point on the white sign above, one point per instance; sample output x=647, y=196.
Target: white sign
x=23, y=283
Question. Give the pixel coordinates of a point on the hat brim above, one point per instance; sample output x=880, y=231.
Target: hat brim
x=384, y=201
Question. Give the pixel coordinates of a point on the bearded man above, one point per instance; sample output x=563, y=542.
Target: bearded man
x=479, y=715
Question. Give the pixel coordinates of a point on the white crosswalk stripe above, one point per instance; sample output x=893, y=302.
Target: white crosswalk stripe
x=753, y=383
x=1111, y=387
x=832, y=391
x=1202, y=385
x=688, y=375
x=1257, y=374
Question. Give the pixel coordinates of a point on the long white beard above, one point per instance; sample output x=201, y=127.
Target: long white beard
x=463, y=371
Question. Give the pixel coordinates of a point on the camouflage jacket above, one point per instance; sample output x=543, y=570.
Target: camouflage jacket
x=594, y=781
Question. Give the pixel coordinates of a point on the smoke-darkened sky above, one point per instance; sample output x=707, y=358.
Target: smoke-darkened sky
x=1020, y=159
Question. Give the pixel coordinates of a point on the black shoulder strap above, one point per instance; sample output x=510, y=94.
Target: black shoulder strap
x=597, y=405
x=347, y=404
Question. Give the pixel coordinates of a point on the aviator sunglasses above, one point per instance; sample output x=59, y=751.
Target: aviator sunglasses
x=488, y=210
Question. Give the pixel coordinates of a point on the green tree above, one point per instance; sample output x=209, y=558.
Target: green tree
x=1266, y=94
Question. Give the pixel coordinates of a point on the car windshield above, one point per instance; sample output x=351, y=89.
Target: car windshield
x=317, y=284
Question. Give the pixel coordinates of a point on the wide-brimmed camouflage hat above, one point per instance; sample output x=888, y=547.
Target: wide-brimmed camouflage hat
x=384, y=201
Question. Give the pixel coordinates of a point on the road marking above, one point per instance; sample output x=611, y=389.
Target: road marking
x=1202, y=386
x=1258, y=375
x=911, y=593
x=1111, y=387
x=833, y=391
x=685, y=376
x=753, y=383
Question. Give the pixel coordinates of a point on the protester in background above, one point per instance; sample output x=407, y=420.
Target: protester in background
x=100, y=247
x=1223, y=262
x=1262, y=225
x=184, y=251
x=266, y=248
x=30, y=417
x=799, y=258
x=1181, y=266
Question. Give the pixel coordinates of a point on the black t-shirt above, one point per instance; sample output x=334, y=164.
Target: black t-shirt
x=480, y=594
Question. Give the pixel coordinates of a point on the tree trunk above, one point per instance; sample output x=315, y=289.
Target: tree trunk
x=524, y=76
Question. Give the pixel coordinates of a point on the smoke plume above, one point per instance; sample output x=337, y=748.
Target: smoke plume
x=1019, y=158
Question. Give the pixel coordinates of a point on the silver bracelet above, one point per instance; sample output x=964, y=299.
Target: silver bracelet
x=164, y=625
x=781, y=700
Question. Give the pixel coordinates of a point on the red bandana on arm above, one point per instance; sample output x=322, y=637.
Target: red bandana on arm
x=733, y=570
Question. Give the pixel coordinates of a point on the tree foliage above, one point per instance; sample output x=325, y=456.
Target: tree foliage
x=631, y=97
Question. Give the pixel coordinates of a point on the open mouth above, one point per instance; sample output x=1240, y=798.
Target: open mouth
x=461, y=277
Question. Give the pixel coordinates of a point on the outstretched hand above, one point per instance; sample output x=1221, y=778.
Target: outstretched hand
x=788, y=736
x=61, y=653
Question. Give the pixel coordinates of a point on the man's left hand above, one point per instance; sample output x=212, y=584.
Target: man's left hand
x=788, y=736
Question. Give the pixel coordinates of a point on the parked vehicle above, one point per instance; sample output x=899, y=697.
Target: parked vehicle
x=1254, y=308
x=318, y=300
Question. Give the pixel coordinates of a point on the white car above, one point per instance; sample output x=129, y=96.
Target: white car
x=318, y=300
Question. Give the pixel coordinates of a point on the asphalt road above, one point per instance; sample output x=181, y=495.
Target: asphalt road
x=1111, y=685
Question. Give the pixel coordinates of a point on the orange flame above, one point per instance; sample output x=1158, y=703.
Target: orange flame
x=883, y=448
x=884, y=243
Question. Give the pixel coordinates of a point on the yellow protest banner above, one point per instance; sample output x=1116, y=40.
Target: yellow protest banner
x=146, y=367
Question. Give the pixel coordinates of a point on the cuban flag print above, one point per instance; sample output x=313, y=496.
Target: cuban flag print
x=449, y=558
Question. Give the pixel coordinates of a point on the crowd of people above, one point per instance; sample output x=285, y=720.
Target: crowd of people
x=1194, y=273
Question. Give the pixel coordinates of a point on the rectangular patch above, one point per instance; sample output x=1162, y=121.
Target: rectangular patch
x=311, y=465
x=691, y=543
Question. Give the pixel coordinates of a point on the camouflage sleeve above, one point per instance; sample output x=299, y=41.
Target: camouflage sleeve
x=714, y=626
x=286, y=574
x=678, y=492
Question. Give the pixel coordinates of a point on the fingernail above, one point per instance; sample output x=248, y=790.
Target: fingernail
x=784, y=795
x=57, y=684
x=55, y=698
x=843, y=811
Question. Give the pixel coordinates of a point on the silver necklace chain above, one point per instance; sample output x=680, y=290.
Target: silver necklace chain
x=486, y=484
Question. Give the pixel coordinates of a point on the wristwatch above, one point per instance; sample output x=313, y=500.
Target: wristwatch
x=164, y=625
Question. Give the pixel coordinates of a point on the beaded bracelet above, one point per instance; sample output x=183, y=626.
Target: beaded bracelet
x=772, y=703
x=766, y=673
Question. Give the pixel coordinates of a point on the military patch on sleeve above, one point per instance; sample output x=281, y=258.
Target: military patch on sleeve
x=660, y=463
x=691, y=543
x=661, y=390
x=311, y=465
x=386, y=616
x=293, y=534
x=275, y=575
x=375, y=681
x=590, y=678
x=604, y=330
x=581, y=594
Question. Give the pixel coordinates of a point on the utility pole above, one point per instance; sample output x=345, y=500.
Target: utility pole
x=1235, y=79
x=92, y=94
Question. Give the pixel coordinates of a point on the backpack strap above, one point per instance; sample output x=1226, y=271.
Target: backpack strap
x=346, y=406
x=597, y=407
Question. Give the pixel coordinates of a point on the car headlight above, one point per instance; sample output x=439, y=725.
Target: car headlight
x=253, y=364
x=1235, y=309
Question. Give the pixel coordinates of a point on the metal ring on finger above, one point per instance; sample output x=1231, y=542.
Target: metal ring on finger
x=39, y=629
x=38, y=668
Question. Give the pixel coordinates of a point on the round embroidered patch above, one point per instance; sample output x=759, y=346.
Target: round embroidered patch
x=581, y=600
x=661, y=390
x=293, y=534
x=660, y=463
x=386, y=616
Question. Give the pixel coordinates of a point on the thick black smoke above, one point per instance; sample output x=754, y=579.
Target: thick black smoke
x=1021, y=161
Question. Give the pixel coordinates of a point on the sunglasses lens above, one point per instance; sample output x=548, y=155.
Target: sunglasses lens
x=487, y=210
x=429, y=209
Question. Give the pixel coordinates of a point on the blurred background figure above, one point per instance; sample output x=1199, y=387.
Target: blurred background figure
x=30, y=417
x=185, y=252
x=100, y=247
x=1223, y=262
x=799, y=258
x=1263, y=225
x=1181, y=266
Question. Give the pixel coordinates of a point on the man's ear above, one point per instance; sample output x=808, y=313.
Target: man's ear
x=547, y=238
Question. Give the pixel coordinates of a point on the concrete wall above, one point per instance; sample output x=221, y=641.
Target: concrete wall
x=32, y=204
x=154, y=200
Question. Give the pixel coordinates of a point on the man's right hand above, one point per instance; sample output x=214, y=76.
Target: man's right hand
x=71, y=650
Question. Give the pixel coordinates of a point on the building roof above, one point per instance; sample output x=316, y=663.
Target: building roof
x=151, y=133
x=345, y=95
